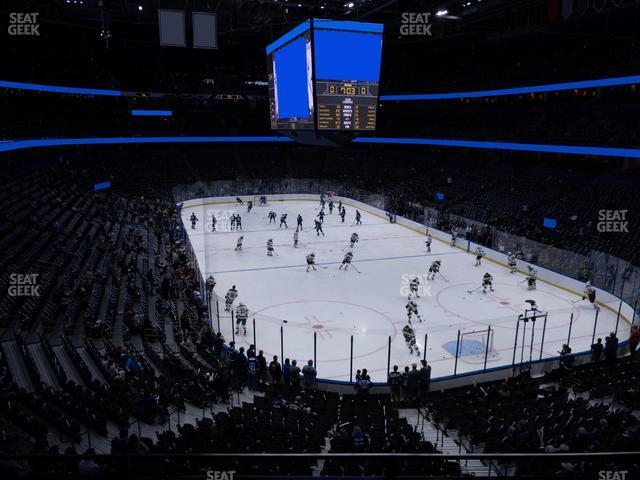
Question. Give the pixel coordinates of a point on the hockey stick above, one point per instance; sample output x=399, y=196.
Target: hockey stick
x=443, y=277
x=579, y=300
x=523, y=281
x=354, y=267
x=347, y=245
x=471, y=291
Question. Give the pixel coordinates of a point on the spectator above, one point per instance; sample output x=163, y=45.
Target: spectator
x=394, y=379
x=252, y=372
x=413, y=383
x=275, y=370
x=363, y=384
x=611, y=348
x=634, y=340
x=119, y=443
x=262, y=368
x=295, y=375
x=405, y=384
x=566, y=358
x=596, y=351
x=425, y=379
x=133, y=365
x=309, y=374
x=286, y=372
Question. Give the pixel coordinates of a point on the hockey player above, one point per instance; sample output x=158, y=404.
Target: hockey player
x=412, y=308
x=434, y=269
x=487, y=281
x=532, y=278
x=339, y=206
x=249, y=206
x=213, y=223
x=590, y=293
x=318, y=228
x=270, y=247
x=343, y=212
x=358, y=218
x=354, y=239
x=239, y=243
x=239, y=200
x=295, y=239
x=232, y=220
x=454, y=237
x=428, y=243
x=242, y=312
x=238, y=222
x=211, y=283
x=194, y=220
x=511, y=261
x=321, y=216
x=322, y=202
x=410, y=339
x=231, y=295
x=283, y=220
x=479, y=255
x=311, y=261
x=299, y=224
x=346, y=261
x=272, y=217
x=413, y=287
x=330, y=207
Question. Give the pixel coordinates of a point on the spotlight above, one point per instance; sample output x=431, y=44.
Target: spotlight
x=440, y=13
x=139, y=8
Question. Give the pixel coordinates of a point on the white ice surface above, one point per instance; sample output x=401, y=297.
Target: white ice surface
x=371, y=305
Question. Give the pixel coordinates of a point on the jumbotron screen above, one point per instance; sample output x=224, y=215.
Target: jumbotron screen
x=347, y=74
x=289, y=72
x=325, y=74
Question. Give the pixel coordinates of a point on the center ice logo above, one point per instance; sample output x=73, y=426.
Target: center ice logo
x=424, y=289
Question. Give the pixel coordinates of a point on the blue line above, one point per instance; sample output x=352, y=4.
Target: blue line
x=550, y=87
x=59, y=89
x=278, y=267
x=527, y=147
x=151, y=113
x=10, y=145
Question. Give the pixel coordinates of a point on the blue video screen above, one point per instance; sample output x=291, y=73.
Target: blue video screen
x=290, y=80
x=549, y=222
x=101, y=186
x=347, y=62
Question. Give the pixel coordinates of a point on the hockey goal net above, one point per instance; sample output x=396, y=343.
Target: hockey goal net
x=475, y=345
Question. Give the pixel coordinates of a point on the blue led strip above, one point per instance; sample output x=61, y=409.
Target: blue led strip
x=297, y=31
x=151, y=113
x=58, y=142
x=324, y=23
x=525, y=147
x=58, y=89
x=550, y=87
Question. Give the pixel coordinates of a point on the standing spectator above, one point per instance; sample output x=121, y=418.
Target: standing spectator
x=566, y=358
x=252, y=372
x=405, y=384
x=413, y=383
x=611, y=349
x=634, y=340
x=262, y=368
x=596, y=351
x=276, y=371
x=295, y=375
x=309, y=374
x=425, y=379
x=394, y=379
x=286, y=372
x=363, y=385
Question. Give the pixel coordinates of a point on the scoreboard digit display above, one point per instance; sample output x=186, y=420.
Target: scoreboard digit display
x=347, y=74
x=325, y=74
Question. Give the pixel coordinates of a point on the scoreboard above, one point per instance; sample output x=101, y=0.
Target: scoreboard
x=346, y=105
x=324, y=75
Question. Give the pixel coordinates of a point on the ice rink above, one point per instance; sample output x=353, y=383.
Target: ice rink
x=370, y=306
